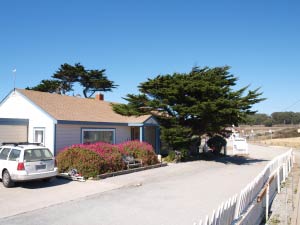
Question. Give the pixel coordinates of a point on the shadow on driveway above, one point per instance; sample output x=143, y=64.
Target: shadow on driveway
x=238, y=160
x=38, y=184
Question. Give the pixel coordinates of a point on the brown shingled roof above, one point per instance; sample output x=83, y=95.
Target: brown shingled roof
x=63, y=107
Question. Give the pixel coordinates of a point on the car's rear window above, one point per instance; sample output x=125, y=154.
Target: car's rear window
x=37, y=154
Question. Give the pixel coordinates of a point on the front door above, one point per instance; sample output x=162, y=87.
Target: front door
x=135, y=133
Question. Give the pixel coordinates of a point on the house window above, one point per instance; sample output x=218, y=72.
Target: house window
x=98, y=135
x=39, y=135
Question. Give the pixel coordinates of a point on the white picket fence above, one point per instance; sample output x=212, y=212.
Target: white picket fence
x=237, y=208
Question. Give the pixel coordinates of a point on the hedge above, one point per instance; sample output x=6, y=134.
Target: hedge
x=140, y=150
x=85, y=161
x=94, y=159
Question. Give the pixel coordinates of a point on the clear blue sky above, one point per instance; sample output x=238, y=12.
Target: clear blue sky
x=137, y=39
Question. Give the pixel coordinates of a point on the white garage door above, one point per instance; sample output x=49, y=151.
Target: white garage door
x=13, y=131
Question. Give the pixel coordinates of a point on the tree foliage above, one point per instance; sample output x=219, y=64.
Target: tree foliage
x=67, y=75
x=276, y=118
x=258, y=119
x=198, y=102
x=286, y=117
x=51, y=86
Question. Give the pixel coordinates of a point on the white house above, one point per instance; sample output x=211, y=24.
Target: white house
x=58, y=121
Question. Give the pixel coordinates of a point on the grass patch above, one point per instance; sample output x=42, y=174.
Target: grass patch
x=285, y=142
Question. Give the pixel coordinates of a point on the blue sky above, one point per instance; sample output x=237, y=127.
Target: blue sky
x=137, y=39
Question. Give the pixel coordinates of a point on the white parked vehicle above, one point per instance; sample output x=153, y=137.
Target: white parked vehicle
x=240, y=146
x=25, y=161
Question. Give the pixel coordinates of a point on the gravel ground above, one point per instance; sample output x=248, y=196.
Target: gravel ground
x=285, y=203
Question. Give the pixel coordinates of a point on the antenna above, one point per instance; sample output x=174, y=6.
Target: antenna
x=14, y=74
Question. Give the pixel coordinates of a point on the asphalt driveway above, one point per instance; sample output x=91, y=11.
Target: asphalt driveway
x=177, y=194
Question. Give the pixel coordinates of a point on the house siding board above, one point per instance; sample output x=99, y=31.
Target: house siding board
x=150, y=133
x=123, y=134
x=16, y=106
x=67, y=134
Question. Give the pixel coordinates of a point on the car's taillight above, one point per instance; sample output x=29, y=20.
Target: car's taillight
x=21, y=166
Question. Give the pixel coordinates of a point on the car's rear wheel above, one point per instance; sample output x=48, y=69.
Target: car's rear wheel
x=6, y=179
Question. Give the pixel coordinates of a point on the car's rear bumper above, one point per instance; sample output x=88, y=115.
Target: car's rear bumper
x=23, y=176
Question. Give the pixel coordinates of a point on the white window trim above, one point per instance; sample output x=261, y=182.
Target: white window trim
x=39, y=129
x=99, y=129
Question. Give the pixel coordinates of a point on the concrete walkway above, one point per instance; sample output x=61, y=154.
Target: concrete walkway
x=177, y=194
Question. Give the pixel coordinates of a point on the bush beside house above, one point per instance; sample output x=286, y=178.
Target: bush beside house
x=139, y=150
x=94, y=159
x=85, y=161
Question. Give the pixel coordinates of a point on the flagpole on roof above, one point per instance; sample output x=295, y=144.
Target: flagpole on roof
x=14, y=74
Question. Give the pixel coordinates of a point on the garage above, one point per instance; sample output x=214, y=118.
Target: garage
x=13, y=130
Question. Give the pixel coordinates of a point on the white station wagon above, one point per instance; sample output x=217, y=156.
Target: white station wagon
x=25, y=161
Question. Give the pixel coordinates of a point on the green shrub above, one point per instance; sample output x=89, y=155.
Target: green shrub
x=171, y=156
x=87, y=163
x=184, y=154
x=91, y=160
x=216, y=143
x=178, y=156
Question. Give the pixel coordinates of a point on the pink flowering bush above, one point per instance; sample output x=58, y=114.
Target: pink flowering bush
x=98, y=158
x=111, y=158
x=140, y=150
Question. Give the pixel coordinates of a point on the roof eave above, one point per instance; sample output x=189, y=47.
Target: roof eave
x=36, y=105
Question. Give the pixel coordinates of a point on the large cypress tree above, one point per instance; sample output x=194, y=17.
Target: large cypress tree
x=187, y=104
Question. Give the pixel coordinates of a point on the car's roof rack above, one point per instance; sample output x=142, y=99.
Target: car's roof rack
x=22, y=143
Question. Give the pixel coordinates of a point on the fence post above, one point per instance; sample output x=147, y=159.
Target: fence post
x=237, y=207
x=283, y=171
x=278, y=180
x=206, y=221
x=267, y=202
x=286, y=170
x=293, y=156
x=213, y=217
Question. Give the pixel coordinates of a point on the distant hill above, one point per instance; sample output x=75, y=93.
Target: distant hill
x=260, y=132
